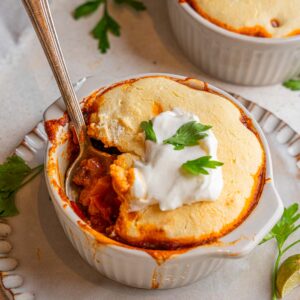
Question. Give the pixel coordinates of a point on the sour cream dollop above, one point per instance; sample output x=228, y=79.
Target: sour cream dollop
x=159, y=178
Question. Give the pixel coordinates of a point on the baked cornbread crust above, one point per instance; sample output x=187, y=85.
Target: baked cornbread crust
x=117, y=114
x=261, y=18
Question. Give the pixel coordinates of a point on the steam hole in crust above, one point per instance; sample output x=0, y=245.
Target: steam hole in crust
x=275, y=23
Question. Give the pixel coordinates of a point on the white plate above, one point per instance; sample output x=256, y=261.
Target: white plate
x=43, y=265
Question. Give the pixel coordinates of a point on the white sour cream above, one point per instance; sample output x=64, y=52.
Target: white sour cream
x=159, y=178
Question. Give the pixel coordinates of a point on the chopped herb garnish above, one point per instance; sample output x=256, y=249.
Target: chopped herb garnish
x=14, y=174
x=292, y=84
x=188, y=135
x=148, y=129
x=107, y=23
x=198, y=166
x=280, y=232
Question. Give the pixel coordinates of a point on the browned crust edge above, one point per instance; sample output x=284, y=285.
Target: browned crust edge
x=254, y=31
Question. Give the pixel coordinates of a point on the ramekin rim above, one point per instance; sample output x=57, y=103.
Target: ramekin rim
x=218, y=251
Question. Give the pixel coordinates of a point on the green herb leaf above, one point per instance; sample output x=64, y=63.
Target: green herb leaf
x=7, y=205
x=86, y=8
x=188, y=135
x=148, y=129
x=14, y=174
x=107, y=23
x=280, y=232
x=100, y=31
x=285, y=226
x=292, y=84
x=137, y=5
x=198, y=166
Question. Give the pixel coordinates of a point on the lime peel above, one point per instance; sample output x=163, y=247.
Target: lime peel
x=288, y=276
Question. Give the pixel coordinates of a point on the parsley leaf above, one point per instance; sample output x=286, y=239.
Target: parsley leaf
x=292, y=84
x=280, y=232
x=7, y=205
x=148, y=129
x=100, y=31
x=107, y=23
x=86, y=8
x=188, y=135
x=137, y=5
x=285, y=226
x=199, y=165
x=14, y=174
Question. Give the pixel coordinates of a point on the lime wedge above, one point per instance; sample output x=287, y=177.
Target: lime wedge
x=288, y=276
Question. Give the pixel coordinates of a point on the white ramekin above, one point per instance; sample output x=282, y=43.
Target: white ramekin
x=137, y=267
x=230, y=56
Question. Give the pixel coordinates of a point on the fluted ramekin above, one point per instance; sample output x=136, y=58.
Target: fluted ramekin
x=145, y=268
x=230, y=56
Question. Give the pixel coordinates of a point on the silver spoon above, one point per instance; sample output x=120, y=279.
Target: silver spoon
x=40, y=15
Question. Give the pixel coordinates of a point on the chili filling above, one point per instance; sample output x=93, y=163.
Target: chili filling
x=97, y=196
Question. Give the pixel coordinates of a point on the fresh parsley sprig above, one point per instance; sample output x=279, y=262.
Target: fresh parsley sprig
x=198, y=166
x=107, y=23
x=14, y=174
x=284, y=228
x=292, y=84
x=188, y=135
x=149, y=131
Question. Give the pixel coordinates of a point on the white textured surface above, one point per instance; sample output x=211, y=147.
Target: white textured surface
x=27, y=88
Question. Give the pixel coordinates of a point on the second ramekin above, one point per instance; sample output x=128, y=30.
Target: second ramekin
x=230, y=56
x=150, y=268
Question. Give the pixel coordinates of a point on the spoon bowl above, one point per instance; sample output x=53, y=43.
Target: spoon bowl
x=87, y=150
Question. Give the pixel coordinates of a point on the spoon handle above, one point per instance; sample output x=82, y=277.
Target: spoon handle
x=40, y=15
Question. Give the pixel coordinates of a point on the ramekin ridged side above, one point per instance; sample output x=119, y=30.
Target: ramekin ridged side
x=233, y=57
x=136, y=270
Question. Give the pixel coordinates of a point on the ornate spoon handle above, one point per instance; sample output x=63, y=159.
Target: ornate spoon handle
x=40, y=15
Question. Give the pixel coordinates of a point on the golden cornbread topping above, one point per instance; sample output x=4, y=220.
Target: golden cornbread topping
x=115, y=117
x=261, y=18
